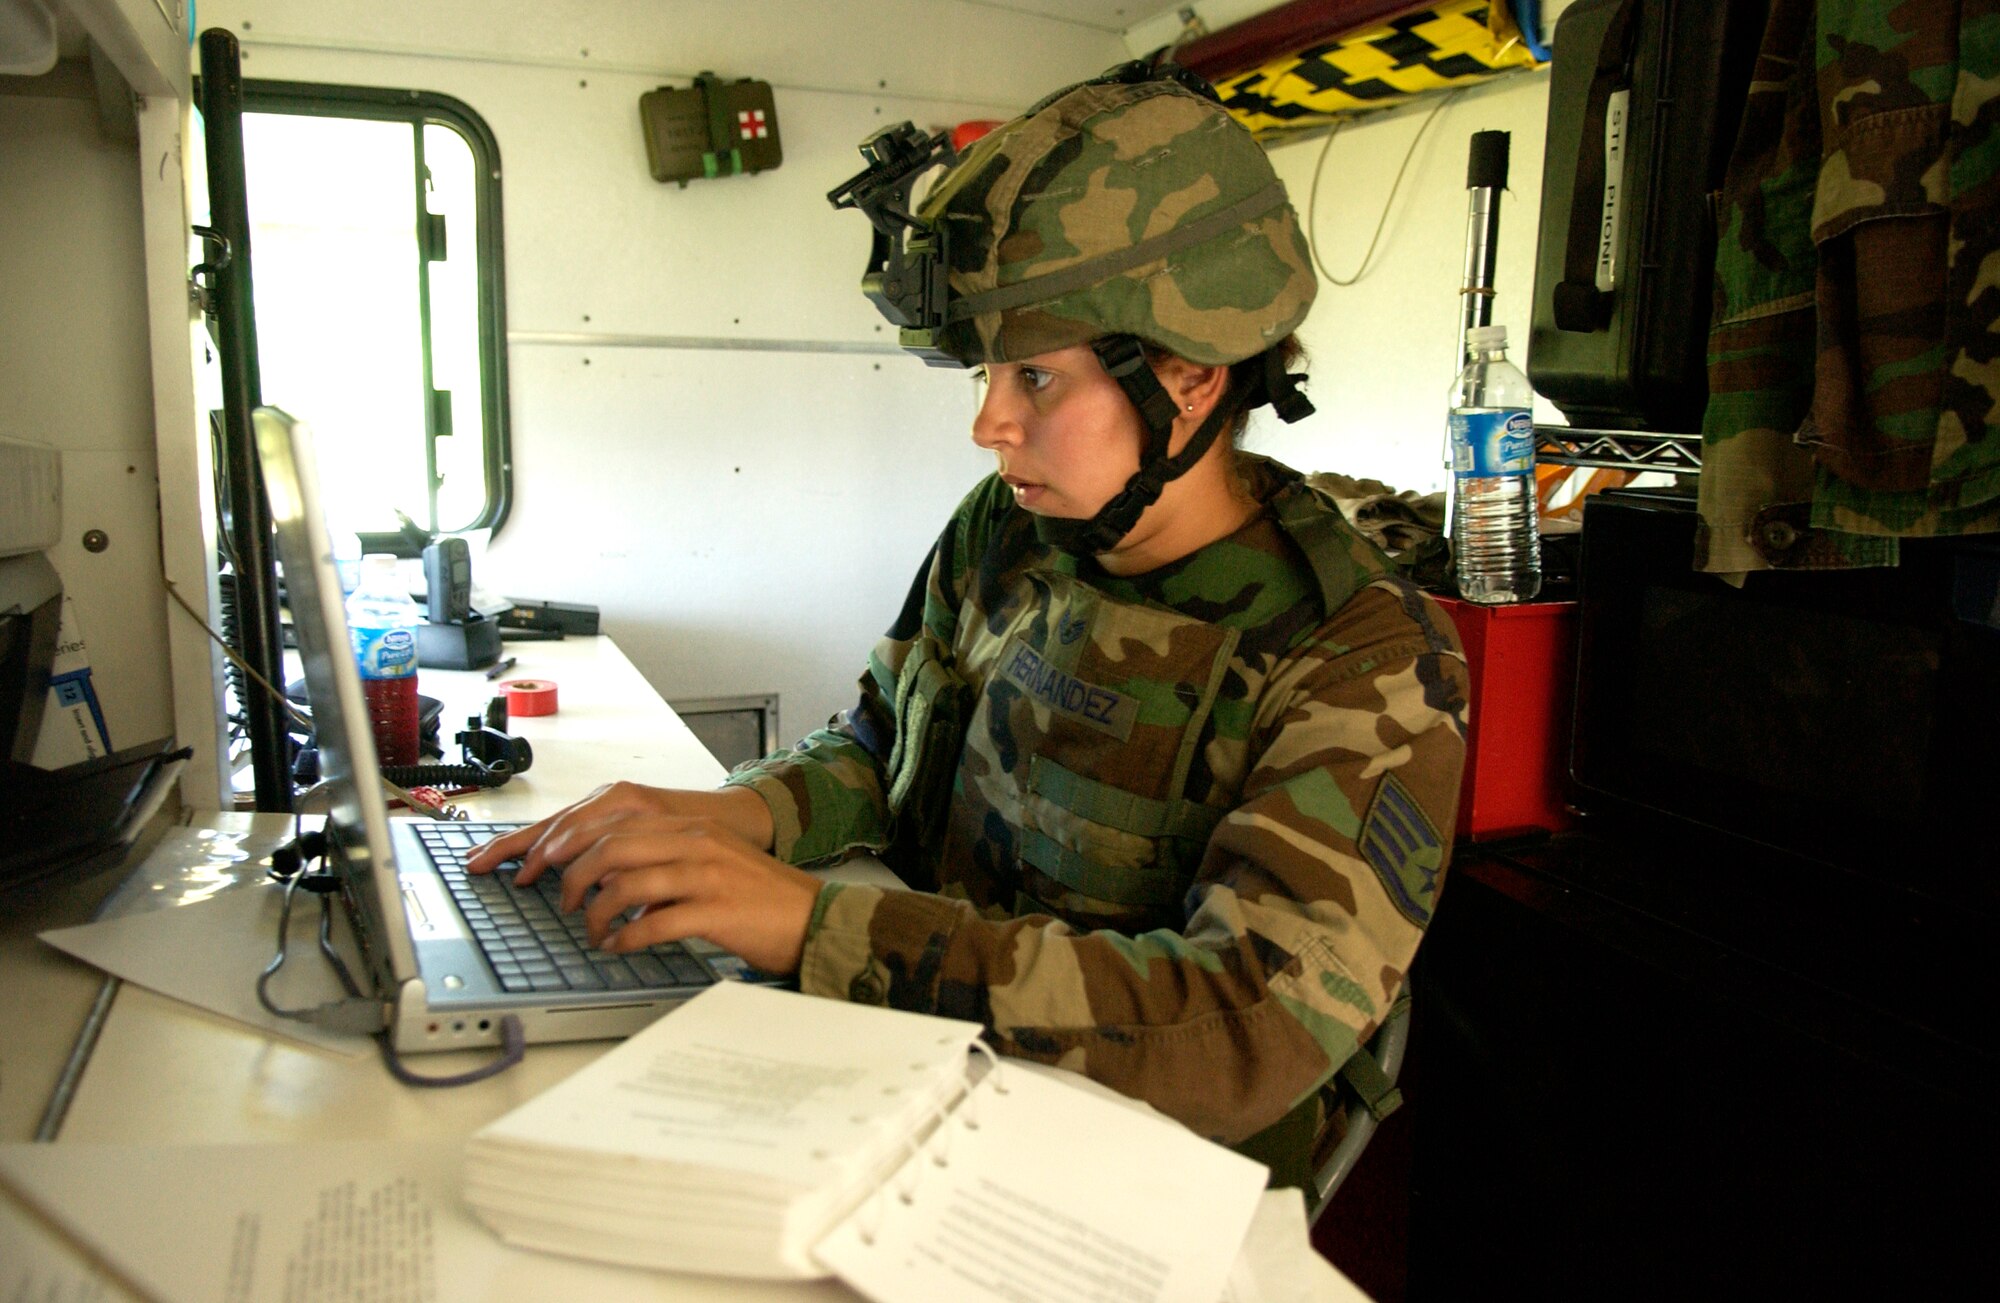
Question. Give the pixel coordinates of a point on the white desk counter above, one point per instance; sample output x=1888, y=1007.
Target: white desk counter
x=164, y=1072
x=610, y=724
x=163, y=1069
x=45, y=997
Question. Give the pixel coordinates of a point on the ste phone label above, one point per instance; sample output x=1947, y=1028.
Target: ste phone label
x=1492, y=443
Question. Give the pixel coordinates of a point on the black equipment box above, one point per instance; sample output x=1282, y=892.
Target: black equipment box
x=556, y=617
x=1644, y=101
x=712, y=128
x=469, y=644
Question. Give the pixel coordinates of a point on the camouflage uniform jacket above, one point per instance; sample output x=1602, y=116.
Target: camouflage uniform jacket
x=1854, y=365
x=1180, y=832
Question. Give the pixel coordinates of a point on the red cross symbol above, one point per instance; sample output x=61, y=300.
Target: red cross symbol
x=750, y=124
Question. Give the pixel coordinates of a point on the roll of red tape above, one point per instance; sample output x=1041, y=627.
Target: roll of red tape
x=530, y=697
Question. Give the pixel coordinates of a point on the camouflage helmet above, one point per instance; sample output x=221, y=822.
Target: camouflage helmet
x=1120, y=208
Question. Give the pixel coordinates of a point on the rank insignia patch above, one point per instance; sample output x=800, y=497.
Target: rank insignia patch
x=1399, y=840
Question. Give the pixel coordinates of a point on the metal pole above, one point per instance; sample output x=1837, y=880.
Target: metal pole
x=1485, y=178
x=242, y=390
x=426, y=255
x=64, y=1092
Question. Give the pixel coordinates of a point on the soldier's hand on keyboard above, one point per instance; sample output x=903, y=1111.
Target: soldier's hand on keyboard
x=738, y=809
x=682, y=875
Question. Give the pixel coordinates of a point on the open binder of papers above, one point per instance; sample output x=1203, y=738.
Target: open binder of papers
x=1025, y=1186
x=382, y=1219
x=761, y=1133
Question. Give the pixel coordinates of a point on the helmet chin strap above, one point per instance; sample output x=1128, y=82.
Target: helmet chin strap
x=1124, y=359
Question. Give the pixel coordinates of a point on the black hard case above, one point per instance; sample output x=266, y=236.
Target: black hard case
x=1641, y=364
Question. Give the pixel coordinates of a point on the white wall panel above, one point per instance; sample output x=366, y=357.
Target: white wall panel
x=75, y=374
x=626, y=470
x=937, y=49
x=1381, y=350
x=720, y=580
x=745, y=522
x=72, y=304
x=144, y=39
x=119, y=600
x=748, y=515
x=595, y=245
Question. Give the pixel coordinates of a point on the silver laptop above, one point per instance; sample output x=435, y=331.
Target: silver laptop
x=449, y=954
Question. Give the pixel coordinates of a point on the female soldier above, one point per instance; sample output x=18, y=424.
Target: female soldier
x=1170, y=754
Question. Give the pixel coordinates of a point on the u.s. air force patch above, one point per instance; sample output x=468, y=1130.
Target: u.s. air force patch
x=1400, y=841
x=1088, y=703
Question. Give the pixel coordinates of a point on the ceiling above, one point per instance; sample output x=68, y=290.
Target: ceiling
x=1145, y=25
x=1107, y=15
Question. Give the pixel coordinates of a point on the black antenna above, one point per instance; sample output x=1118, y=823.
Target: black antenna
x=1485, y=178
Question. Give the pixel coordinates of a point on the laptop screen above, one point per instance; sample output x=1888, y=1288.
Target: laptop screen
x=357, y=817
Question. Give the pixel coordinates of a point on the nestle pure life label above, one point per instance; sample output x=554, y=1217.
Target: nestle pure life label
x=385, y=653
x=1492, y=442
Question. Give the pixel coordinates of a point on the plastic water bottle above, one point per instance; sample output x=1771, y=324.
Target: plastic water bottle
x=1495, y=545
x=346, y=556
x=382, y=623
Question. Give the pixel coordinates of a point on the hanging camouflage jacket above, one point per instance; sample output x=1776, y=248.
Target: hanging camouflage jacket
x=1180, y=831
x=1854, y=366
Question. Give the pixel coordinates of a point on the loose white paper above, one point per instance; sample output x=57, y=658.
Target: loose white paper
x=1034, y=1189
x=209, y=953
x=1279, y=1264
x=168, y=1217
x=377, y=1220
x=38, y=1266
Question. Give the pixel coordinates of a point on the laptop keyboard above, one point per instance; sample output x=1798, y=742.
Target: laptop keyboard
x=531, y=943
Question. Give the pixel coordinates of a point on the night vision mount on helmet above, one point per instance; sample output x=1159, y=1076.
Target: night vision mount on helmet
x=1122, y=212
x=906, y=265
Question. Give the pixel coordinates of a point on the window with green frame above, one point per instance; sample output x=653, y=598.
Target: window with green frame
x=379, y=298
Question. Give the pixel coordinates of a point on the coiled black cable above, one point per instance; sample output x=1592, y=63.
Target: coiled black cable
x=446, y=775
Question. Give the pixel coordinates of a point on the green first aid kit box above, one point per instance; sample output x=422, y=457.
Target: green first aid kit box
x=712, y=128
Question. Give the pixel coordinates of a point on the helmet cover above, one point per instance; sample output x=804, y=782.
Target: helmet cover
x=1118, y=208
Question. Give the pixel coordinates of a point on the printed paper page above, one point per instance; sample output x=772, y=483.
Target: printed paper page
x=1053, y=1194
x=749, y=1079
x=369, y=1220
x=38, y=1266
